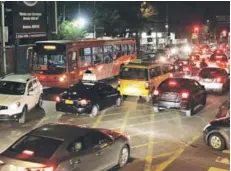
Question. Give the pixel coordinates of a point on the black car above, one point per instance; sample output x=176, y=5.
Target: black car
x=224, y=109
x=63, y=147
x=88, y=97
x=180, y=93
x=217, y=133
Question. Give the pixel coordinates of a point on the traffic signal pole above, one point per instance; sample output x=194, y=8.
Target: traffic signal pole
x=3, y=41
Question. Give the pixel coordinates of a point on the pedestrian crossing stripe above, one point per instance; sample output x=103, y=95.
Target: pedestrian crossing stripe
x=223, y=160
x=216, y=169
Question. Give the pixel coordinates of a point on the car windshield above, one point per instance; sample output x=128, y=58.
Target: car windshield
x=215, y=57
x=83, y=89
x=41, y=147
x=134, y=73
x=12, y=88
x=49, y=63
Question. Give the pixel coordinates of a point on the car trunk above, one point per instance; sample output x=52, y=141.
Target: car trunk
x=170, y=96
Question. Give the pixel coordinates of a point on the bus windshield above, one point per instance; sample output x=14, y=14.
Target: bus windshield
x=49, y=63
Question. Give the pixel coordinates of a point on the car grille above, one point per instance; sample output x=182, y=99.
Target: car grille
x=4, y=116
x=3, y=107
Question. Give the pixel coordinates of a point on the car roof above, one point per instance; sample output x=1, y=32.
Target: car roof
x=142, y=65
x=21, y=78
x=65, y=132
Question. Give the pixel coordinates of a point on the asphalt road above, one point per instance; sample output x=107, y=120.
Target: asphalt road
x=160, y=141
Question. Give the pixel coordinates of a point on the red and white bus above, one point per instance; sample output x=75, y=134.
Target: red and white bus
x=62, y=63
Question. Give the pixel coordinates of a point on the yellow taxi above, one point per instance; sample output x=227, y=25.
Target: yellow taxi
x=140, y=78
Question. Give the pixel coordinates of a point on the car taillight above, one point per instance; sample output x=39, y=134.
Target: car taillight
x=218, y=80
x=49, y=168
x=28, y=152
x=83, y=102
x=147, y=85
x=185, y=95
x=186, y=69
x=156, y=92
x=57, y=99
x=172, y=83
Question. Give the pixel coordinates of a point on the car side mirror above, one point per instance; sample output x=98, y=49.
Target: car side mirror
x=203, y=87
x=31, y=93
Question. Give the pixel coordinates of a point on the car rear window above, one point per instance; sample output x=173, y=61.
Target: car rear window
x=134, y=73
x=173, y=85
x=219, y=57
x=41, y=147
x=209, y=72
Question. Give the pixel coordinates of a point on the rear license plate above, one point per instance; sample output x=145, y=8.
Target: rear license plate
x=208, y=80
x=69, y=102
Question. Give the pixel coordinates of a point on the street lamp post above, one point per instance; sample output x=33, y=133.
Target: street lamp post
x=3, y=37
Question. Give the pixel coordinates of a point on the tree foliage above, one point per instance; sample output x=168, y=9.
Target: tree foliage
x=68, y=31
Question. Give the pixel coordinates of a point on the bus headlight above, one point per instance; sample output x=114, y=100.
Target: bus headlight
x=62, y=78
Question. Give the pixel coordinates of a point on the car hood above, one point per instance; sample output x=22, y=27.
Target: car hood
x=219, y=121
x=8, y=99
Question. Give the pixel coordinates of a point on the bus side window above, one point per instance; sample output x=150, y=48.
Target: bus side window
x=165, y=69
x=108, y=54
x=133, y=48
x=152, y=73
x=97, y=53
x=117, y=51
x=73, y=60
x=129, y=49
x=158, y=71
x=85, y=57
x=124, y=49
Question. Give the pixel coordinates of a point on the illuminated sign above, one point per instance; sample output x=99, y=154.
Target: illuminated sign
x=49, y=47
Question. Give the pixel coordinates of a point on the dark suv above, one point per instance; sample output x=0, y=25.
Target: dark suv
x=181, y=93
x=217, y=133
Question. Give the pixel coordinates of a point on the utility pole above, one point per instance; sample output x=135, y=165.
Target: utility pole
x=64, y=11
x=94, y=27
x=166, y=24
x=3, y=48
x=79, y=10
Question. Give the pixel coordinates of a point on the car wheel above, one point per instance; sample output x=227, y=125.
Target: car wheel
x=94, y=111
x=22, y=120
x=190, y=112
x=118, y=102
x=124, y=156
x=40, y=102
x=217, y=142
x=156, y=109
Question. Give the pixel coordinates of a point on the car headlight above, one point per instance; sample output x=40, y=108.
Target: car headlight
x=208, y=125
x=187, y=49
x=15, y=106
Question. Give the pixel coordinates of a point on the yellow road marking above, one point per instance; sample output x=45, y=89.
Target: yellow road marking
x=164, y=154
x=143, y=145
x=216, y=169
x=223, y=160
x=99, y=118
x=148, y=159
x=226, y=151
x=165, y=164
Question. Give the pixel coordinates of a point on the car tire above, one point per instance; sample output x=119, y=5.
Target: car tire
x=123, y=156
x=118, y=102
x=22, y=120
x=156, y=109
x=190, y=112
x=94, y=111
x=40, y=102
x=216, y=141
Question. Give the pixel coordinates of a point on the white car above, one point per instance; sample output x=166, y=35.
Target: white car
x=214, y=79
x=19, y=93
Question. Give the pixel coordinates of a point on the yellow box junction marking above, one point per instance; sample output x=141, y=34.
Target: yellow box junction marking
x=223, y=160
x=216, y=169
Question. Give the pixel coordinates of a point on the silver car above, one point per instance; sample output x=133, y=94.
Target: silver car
x=62, y=147
x=214, y=79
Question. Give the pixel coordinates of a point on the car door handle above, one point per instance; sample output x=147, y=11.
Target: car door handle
x=99, y=153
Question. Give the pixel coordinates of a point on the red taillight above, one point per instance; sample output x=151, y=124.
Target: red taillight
x=186, y=69
x=218, y=61
x=28, y=152
x=83, y=102
x=218, y=79
x=172, y=83
x=58, y=99
x=49, y=168
x=185, y=95
x=156, y=92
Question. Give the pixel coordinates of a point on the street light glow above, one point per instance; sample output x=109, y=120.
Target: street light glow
x=81, y=22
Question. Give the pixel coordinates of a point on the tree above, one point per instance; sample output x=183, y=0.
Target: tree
x=69, y=31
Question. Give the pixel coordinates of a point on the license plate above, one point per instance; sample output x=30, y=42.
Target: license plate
x=69, y=102
x=208, y=80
